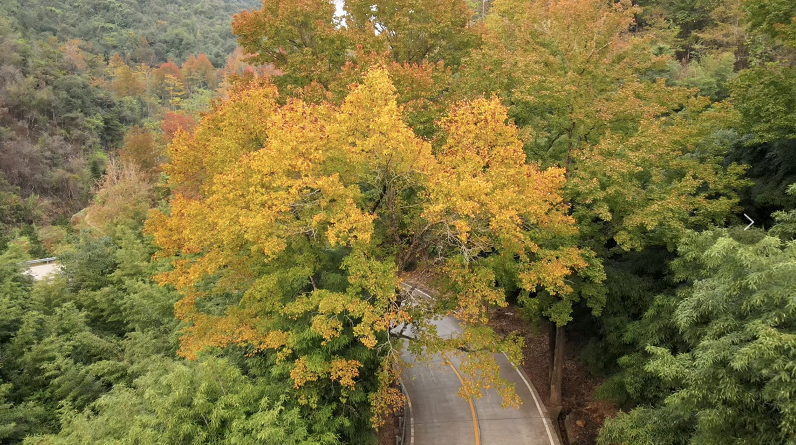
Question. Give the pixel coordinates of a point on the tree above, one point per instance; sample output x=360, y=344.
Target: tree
x=760, y=88
x=14, y=210
x=643, y=160
x=760, y=93
x=126, y=83
x=13, y=287
x=776, y=18
x=177, y=402
x=123, y=80
x=290, y=240
x=690, y=17
x=767, y=118
x=416, y=30
x=173, y=123
x=199, y=72
x=420, y=42
x=68, y=341
x=141, y=150
x=729, y=381
x=300, y=38
x=583, y=92
x=168, y=82
x=123, y=198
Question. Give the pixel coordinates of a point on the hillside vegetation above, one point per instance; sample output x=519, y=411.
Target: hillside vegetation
x=76, y=76
x=235, y=231
x=147, y=31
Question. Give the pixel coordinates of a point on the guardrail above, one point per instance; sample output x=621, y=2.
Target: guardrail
x=40, y=261
x=404, y=436
x=41, y=269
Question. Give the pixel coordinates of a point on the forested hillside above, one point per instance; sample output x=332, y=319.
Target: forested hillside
x=235, y=231
x=70, y=90
x=150, y=31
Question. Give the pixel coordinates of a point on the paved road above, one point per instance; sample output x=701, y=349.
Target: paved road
x=41, y=271
x=441, y=417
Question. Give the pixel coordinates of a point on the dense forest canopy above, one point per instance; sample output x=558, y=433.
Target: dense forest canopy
x=235, y=223
x=71, y=98
x=150, y=31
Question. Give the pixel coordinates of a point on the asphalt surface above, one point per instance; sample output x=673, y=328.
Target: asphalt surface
x=439, y=416
x=41, y=271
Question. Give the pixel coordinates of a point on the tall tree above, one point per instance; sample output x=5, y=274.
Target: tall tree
x=193, y=403
x=643, y=159
x=199, y=72
x=300, y=38
x=761, y=94
x=291, y=238
x=318, y=55
x=729, y=380
x=415, y=30
x=762, y=89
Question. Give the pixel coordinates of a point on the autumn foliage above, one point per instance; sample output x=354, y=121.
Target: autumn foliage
x=174, y=122
x=199, y=72
x=569, y=157
x=643, y=157
x=296, y=222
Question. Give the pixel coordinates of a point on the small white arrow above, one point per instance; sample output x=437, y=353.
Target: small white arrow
x=750, y=219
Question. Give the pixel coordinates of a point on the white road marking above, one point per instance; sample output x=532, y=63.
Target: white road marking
x=535, y=399
x=411, y=419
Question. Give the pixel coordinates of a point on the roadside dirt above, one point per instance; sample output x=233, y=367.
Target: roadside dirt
x=388, y=431
x=586, y=414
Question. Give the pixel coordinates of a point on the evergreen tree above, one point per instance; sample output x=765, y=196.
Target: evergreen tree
x=724, y=371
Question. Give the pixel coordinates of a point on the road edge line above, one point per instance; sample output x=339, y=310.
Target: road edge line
x=535, y=400
x=411, y=416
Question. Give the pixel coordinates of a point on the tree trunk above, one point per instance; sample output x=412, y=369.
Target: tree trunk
x=551, y=345
x=557, y=371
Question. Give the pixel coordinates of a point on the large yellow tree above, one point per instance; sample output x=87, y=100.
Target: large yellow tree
x=290, y=229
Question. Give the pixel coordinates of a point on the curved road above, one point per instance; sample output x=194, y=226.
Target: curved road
x=439, y=416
